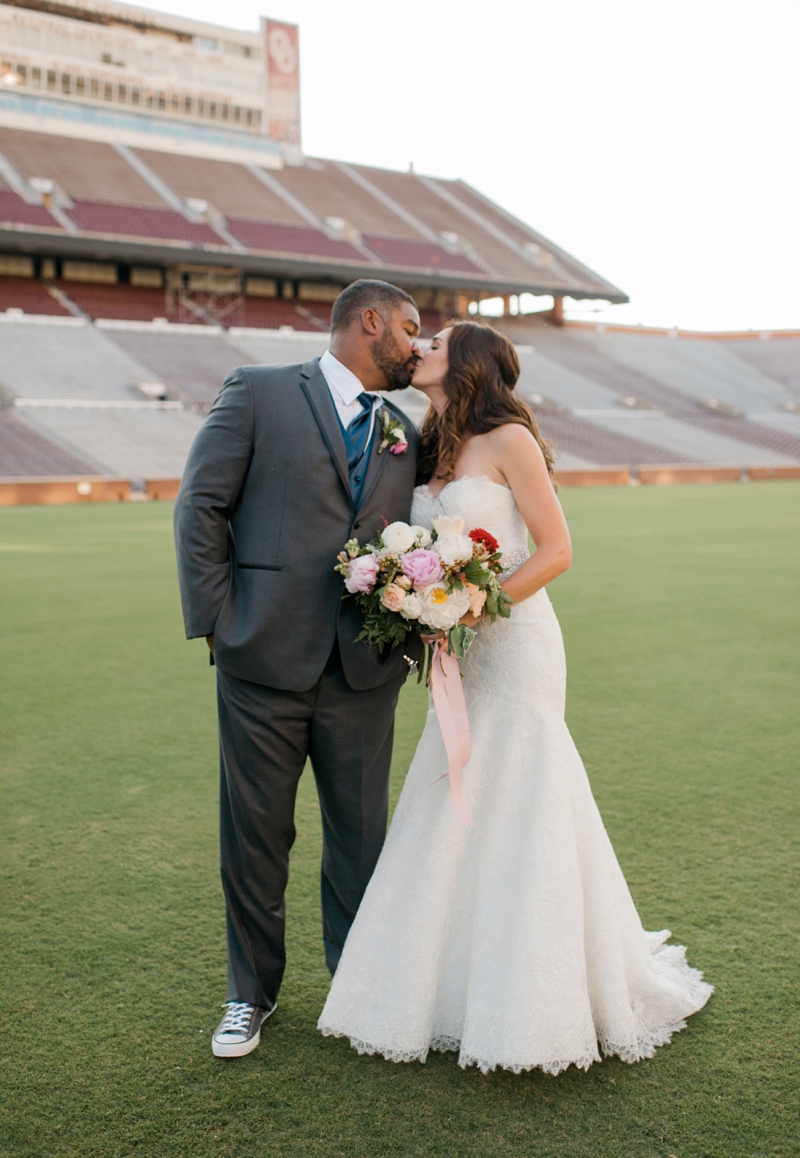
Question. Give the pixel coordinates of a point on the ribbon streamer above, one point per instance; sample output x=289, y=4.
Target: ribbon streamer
x=451, y=710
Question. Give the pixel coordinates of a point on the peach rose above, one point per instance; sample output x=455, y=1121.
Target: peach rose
x=393, y=597
x=477, y=598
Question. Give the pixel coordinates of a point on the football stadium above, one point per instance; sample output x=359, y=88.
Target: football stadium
x=160, y=224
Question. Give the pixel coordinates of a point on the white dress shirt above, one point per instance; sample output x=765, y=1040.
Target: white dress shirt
x=345, y=389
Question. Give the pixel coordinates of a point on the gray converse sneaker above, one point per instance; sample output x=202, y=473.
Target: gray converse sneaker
x=239, y=1032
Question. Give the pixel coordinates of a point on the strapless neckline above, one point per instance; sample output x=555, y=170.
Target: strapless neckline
x=464, y=478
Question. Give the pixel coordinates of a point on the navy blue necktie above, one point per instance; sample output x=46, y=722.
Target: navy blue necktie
x=355, y=440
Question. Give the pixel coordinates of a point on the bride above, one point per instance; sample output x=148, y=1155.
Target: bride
x=516, y=941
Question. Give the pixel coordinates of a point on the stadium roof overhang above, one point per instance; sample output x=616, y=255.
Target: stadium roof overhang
x=145, y=251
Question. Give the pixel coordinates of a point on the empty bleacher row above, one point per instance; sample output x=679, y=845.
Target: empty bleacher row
x=353, y=217
x=125, y=398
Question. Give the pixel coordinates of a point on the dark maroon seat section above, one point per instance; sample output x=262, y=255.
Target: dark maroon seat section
x=291, y=239
x=431, y=322
x=14, y=210
x=272, y=313
x=136, y=221
x=28, y=295
x=418, y=254
x=132, y=303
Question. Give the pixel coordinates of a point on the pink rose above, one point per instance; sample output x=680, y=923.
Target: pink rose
x=393, y=597
x=361, y=574
x=399, y=447
x=422, y=567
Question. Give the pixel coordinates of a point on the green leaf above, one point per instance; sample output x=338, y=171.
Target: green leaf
x=459, y=639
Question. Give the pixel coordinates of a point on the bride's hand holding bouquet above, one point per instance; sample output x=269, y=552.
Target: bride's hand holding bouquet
x=438, y=583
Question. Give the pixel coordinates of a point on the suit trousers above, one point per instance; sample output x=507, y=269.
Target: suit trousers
x=266, y=736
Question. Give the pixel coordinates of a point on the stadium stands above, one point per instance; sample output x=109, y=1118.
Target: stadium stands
x=131, y=444
x=30, y=296
x=26, y=453
x=277, y=349
x=196, y=364
x=13, y=210
x=353, y=219
x=125, y=302
x=70, y=360
x=294, y=239
x=76, y=387
x=134, y=221
x=777, y=358
x=84, y=170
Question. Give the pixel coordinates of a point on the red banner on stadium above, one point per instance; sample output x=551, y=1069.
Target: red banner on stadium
x=282, y=57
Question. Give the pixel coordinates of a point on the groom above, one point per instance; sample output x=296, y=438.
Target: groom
x=288, y=467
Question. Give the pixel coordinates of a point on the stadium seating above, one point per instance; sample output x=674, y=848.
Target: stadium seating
x=301, y=240
x=13, y=210
x=364, y=218
x=418, y=254
x=26, y=453
x=196, y=364
x=84, y=170
x=131, y=444
x=325, y=188
x=231, y=189
x=595, y=444
x=776, y=357
x=690, y=367
x=135, y=221
x=274, y=313
x=30, y=296
x=276, y=349
x=66, y=361
x=126, y=302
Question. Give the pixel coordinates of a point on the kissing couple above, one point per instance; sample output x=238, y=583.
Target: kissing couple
x=514, y=941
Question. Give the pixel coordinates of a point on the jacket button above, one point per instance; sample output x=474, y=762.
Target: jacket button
x=356, y=526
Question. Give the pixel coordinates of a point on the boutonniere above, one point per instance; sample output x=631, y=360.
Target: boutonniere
x=394, y=435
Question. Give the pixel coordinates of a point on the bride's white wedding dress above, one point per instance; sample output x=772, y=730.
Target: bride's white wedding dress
x=515, y=942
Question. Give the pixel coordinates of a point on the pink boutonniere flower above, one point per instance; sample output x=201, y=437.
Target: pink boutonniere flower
x=394, y=435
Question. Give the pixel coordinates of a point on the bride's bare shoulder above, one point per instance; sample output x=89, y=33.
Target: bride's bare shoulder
x=513, y=438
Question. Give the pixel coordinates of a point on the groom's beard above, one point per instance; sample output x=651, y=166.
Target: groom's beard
x=388, y=357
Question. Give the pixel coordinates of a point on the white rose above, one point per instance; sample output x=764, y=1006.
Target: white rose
x=411, y=608
x=448, y=525
x=440, y=610
x=422, y=535
x=453, y=549
x=398, y=537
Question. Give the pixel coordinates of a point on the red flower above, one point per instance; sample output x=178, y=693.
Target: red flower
x=485, y=540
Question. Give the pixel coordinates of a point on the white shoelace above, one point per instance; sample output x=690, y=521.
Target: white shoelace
x=237, y=1019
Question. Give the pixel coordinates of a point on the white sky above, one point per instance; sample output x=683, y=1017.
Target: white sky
x=655, y=141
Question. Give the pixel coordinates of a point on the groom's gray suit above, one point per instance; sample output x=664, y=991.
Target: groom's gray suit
x=264, y=508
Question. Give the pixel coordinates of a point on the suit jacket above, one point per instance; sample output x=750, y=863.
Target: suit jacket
x=263, y=510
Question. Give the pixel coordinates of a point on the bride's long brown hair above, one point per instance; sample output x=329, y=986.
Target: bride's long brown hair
x=483, y=369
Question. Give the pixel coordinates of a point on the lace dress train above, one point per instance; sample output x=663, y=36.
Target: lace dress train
x=515, y=942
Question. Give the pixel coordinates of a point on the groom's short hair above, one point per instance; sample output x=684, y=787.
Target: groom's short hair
x=363, y=295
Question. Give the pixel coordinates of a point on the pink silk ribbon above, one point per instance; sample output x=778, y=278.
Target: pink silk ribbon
x=451, y=710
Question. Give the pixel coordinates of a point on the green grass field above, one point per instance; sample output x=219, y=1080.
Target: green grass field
x=681, y=618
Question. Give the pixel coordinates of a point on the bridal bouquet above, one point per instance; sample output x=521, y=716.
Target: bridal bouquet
x=411, y=579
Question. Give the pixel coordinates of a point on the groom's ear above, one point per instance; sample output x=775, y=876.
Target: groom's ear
x=371, y=321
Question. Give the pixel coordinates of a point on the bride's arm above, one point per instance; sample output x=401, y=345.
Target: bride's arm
x=517, y=457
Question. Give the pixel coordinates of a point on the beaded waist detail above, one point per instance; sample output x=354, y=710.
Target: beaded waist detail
x=514, y=560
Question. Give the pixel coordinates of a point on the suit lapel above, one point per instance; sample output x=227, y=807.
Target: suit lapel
x=319, y=398
x=376, y=461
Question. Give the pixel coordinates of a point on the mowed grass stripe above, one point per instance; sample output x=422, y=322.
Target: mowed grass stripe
x=680, y=618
